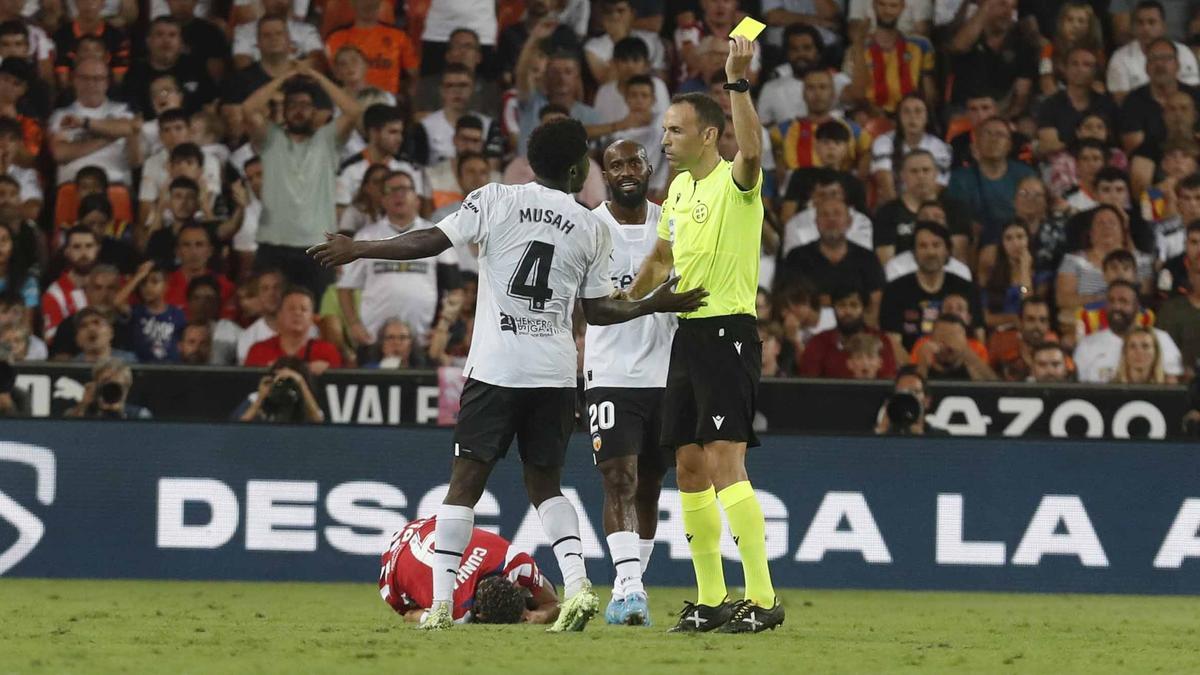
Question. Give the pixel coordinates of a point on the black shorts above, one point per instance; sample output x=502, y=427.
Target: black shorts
x=490, y=416
x=712, y=384
x=625, y=421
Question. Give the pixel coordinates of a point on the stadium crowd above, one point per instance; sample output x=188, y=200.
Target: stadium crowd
x=986, y=189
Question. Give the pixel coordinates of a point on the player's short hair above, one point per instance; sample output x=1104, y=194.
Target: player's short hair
x=379, y=115
x=630, y=49
x=556, y=146
x=498, y=600
x=833, y=131
x=186, y=151
x=708, y=111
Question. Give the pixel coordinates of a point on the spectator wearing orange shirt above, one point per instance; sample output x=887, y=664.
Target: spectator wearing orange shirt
x=89, y=22
x=391, y=56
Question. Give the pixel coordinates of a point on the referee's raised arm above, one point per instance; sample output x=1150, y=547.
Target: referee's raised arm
x=746, y=127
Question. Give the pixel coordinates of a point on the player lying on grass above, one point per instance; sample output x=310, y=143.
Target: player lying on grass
x=496, y=583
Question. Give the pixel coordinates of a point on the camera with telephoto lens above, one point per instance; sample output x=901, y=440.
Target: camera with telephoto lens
x=904, y=409
x=282, y=401
x=109, y=393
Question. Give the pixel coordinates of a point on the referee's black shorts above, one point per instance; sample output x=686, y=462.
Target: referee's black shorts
x=712, y=384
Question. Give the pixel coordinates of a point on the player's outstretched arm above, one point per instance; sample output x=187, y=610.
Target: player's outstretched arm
x=655, y=270
x=339, y=249
x=607, y=311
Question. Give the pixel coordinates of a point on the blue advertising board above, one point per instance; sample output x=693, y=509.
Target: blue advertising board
x=222, y=501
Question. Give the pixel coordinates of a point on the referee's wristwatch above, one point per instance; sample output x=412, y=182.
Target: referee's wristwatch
x=741, y=86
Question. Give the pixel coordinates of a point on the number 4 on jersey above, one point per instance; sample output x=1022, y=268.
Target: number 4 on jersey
x=532, y=278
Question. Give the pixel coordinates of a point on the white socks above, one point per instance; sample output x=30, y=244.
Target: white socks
x=645, y=548
x=451, y=534
x=561, y=524
x=625, y=551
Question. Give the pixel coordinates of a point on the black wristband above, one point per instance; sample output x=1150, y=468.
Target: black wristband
x=742, y=86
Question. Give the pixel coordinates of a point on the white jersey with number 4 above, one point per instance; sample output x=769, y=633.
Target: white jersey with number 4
x=538, y=250
x=634, y=354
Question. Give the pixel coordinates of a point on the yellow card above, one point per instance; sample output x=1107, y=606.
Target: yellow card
x=748, y=28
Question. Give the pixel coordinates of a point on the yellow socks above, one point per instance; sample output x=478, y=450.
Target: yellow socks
x=702, y=523
x=749, y=531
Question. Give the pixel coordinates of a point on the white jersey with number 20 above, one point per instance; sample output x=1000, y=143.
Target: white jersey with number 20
x=635, y=353
x=538, y=250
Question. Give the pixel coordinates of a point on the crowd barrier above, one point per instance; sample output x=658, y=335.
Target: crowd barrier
x=262, y=502
x=371, y=397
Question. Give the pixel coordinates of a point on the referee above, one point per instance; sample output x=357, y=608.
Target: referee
x=710, y=234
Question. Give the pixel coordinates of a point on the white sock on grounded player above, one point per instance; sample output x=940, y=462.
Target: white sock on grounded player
x=645, y=548
x=451, y=534
x=561, y=524
x=623, y=547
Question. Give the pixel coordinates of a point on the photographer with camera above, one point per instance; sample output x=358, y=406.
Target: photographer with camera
x=106, y=396
x=903, y=414
x=285, y=394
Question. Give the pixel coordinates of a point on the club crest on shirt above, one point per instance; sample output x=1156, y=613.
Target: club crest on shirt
x=700, y=213
x=596, y=442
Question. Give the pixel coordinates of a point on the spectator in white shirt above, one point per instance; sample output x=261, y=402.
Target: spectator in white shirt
x=1098, y=355
x=384, y=126
x=408, y=290
x=306, y=41
x=1127, y=67
x=616, y=16
x=93, y=129
x=174, y=129
x=458, y=83
x=782, y=98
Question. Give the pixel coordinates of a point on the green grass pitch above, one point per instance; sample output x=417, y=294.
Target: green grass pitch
x=53, y=626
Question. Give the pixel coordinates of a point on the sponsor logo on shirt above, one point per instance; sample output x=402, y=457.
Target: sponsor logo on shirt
x=520, y=325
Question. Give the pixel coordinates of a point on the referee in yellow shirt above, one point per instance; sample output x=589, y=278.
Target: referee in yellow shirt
x=710, y=234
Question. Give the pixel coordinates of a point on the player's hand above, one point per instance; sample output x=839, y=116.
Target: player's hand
x=338, y=249
x=665, y=299
x=737, y=64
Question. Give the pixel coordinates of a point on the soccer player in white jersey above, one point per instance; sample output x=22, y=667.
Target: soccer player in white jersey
x=625, y=374
x=539, y=250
